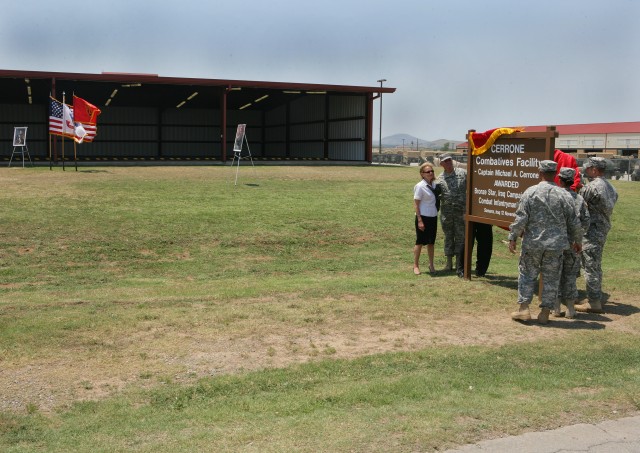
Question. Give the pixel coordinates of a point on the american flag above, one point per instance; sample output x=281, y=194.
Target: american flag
x=61, y=122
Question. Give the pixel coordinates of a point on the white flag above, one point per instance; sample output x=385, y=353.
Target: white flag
x=80, y=132
x=76, y=130
x=67, y=121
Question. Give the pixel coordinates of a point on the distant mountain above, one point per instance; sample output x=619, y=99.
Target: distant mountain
x=410, y=142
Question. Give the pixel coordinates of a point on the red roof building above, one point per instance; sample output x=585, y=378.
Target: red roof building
x=621, y=139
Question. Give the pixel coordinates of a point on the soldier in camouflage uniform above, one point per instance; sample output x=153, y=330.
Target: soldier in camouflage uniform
x=452, y=184
x=570, y=259
x=600, y=197
x=547, y=220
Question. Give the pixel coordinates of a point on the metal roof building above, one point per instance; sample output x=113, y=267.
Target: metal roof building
x=152, y=118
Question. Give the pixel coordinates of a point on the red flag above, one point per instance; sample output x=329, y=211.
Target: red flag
x=85, y=112
x=61, y=122
x=479, y=142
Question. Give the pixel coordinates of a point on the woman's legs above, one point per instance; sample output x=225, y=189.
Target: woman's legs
x=417, y=249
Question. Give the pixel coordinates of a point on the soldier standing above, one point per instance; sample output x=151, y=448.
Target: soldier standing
x=547, y=220
x=452, y=184
x=570, y=259
x=600, y=197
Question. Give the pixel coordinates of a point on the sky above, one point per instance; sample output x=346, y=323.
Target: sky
x=456, y=64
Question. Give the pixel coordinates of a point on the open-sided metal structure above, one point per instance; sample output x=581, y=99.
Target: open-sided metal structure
x=148, y=117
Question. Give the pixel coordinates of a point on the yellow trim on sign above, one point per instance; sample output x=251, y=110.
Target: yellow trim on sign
x=491, y=140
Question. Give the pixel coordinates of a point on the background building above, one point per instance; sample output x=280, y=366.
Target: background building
x=618, y=142
x=611, y=139
x=152, y=118
x=614, y=139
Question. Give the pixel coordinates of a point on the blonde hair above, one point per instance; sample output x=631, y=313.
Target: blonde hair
x=423, y=166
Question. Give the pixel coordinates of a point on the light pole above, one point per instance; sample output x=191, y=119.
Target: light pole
x=380, y=136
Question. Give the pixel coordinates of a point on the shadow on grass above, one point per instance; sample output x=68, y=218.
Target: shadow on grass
x=620, y=309
x=578, y=324
x=94, y=171
x=436, y=274
x=590, y=321
x=500, y=280
x=575, y=324
x=612, y=308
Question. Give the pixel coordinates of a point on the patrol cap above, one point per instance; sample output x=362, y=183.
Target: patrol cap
x=445, y=156
x=547, y=166
x=597, y=162
x=567, y=173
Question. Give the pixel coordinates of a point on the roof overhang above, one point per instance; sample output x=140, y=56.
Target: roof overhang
x=152, y=90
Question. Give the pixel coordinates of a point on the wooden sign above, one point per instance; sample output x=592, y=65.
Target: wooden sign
x=499, y=176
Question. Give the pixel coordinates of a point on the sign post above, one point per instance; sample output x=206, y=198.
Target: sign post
x=498, y=177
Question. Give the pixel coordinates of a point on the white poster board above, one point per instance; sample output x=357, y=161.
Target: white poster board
x=237, y=144
x=19, y=136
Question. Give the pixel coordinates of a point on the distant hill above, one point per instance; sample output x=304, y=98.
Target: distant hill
x=410, y=142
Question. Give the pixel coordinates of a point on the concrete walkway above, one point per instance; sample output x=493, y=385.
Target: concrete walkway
x=613, y=436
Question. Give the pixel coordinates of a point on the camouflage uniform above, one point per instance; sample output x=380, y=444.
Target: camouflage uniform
x=453, y=203
x=571, y=259
x=600, y=197
x=547, y=219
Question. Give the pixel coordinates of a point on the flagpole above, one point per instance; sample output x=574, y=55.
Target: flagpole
x=50, y=145
x=63, y=104
x=75, y=160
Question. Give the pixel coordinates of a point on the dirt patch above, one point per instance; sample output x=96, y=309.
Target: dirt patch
x=175, y=356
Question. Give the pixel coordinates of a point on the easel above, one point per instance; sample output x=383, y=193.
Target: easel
x=241, y=138
x=20, y=144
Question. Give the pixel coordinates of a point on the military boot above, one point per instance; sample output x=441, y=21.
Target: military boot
x=543, y=316
x=592, y=306
x=557, y=311
x=522, y=314
x=571, y=311
x=449, y=265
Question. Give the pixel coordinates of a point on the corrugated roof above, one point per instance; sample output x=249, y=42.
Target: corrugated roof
x=154, y=90
x=123, y=77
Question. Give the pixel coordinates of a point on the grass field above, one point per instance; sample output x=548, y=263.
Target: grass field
x=157, y=309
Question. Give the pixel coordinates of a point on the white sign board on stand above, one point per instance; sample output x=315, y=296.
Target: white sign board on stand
x=20, y=144
x=241, y=139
